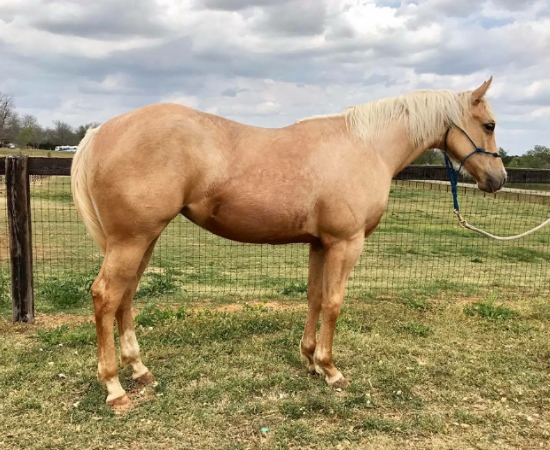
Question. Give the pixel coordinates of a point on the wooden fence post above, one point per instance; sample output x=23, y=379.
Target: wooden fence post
x=19, y=220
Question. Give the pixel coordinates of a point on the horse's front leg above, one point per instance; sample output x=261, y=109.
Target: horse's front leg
x=340, y=258
x=314, y=298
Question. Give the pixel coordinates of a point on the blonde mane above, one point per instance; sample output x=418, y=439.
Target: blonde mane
x=425, y=114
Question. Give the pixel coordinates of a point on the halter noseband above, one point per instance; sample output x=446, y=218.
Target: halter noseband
x=452, y=173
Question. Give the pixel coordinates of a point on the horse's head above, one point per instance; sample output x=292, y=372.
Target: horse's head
x=474, y=146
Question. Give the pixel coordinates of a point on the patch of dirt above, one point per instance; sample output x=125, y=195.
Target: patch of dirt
x=230, y=307
x=239, y=306
x=139, y=393
x=4, y=253
x=49, y=321
x=43, y=321
x=469, y=300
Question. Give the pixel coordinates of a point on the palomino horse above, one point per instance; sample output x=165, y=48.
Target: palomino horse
x=324, y=181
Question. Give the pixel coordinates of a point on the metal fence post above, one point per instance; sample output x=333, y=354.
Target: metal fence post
x=19, y=220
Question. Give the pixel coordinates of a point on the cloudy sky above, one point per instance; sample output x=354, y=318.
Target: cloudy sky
x=270, y=62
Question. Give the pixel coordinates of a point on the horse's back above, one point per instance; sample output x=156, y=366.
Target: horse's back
x=159, y=125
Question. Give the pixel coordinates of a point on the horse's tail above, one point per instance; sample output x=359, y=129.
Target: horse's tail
x=81, y=195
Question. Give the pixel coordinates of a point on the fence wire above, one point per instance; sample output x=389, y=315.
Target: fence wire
x=418, y=249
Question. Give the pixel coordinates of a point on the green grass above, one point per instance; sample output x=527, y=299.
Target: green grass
x=488, y=310
x=421, y=378
x=529, y=186
x=5, y=289
x=417, y=329
x=421, y=304
x=295, y=289
x=74, y=337
x=152, y=315
x=71, y=290
x=158, y=284
x=37, y=153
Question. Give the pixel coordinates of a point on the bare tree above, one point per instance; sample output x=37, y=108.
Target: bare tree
x=12, y=127
x=7, y=111
x=63, y=134
x=30, y=133
x=24, y=137
x=81, y=130
x=29, y=121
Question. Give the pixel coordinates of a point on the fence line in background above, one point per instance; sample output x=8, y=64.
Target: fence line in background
x=418, y=247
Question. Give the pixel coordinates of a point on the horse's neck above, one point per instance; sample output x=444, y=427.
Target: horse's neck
x=397, y=151
x=394, y=148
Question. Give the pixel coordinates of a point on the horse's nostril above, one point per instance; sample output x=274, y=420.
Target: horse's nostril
x=492, y=184
x=497, y=184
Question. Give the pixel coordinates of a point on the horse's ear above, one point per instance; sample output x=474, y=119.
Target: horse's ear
x=480, y=92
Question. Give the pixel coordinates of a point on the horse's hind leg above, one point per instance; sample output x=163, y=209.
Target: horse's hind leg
x=129, y=347
x=314, y=298
x=118, y=272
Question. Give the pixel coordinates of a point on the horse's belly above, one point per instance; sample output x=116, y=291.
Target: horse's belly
x=251, y=224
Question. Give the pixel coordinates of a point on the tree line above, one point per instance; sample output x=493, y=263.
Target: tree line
x=536, y=158
x=25, y=131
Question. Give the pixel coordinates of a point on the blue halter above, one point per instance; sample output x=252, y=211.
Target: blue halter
x=451, y=172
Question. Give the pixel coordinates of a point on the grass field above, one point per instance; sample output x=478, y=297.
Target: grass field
x=39, y=153
x=532, y=186
x=442, y=374
x=444, y=336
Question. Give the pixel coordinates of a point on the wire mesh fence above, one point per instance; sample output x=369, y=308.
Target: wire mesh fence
x=418, y=248
x=419, y=244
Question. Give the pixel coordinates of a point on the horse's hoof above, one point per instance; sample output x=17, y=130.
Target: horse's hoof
x=311, y=369
x=120, y=404
x=146, y=378
x=340, y=383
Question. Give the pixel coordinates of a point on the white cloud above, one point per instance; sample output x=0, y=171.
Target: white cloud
x=37, y=43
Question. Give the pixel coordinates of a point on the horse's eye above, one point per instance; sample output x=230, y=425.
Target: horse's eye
x=489, y=127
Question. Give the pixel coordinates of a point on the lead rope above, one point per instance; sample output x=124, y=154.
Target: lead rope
x=465, y=224
x=453, y=180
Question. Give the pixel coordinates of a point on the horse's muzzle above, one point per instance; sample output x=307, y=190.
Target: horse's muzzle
x=492, y=184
